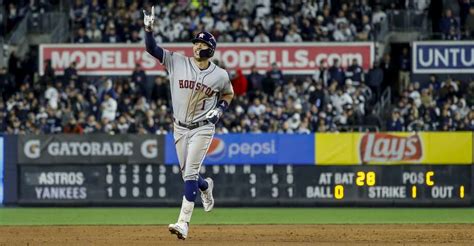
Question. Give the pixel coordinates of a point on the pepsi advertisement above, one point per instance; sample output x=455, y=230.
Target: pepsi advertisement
x=253, y=149
x=443, y=57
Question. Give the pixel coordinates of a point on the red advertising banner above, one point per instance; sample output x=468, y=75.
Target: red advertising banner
x=120, y=59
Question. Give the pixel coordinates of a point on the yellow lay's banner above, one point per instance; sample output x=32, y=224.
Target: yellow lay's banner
x=394, y=148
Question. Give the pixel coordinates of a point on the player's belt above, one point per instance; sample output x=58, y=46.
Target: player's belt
x=194, y=125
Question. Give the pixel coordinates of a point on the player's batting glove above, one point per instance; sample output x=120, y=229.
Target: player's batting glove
x=149, y=19
x=214, y=115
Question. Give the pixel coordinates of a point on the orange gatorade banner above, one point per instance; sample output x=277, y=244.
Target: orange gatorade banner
x=394, y=148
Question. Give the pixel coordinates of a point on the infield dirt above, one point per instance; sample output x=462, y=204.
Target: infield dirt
x=379, y=234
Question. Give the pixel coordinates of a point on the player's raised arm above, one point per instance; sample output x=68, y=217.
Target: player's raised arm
x=151, y=46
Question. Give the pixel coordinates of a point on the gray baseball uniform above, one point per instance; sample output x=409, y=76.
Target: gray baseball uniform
x=199, y=97
x=194, y=92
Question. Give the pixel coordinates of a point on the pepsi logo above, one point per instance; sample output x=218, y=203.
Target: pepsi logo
x=216, y=150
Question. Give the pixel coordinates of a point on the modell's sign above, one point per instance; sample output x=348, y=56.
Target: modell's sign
x=385, y=147
x=94, y=148
x=121, y=59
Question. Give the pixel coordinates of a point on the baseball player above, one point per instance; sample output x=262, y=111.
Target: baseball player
x=200, y=93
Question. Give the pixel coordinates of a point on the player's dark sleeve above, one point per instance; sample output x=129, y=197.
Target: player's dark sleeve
x=152, y=48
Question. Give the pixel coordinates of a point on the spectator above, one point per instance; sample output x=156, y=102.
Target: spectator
x=78, y=13
x=111, y=36
x=123, y=125
x=7, y=83
x=277, y=33
x=336, y=73
x=404, y=73
x=81, y=36
x=372, y=119
x=239, y=83
x=355, y=72
x=49, y=73
x=52, y=95
x=322, y=74
x=364, y=32
x=343, y=33
x=14, y=66
x=307, y=31
x=276, y=75
x=73, y=127
x=222, y=24
x=257, y=108
x=292, y=36
x=13, y=16
x=91, y=126
x=378, y=16
x=139, y=78
x=109, y=107
x=261, y=37
x=448, y=22
x=254, y=81
x=375, y=79
x=389, y=72
x=469, y=26
x=160, y=90
x=453, y=34
x=395, y=124
x=70, y=73
x=317, y=96
x=93, y=32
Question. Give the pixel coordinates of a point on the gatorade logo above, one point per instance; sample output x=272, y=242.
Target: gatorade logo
x=220, y=149
x=149, y=148
x=32, y=149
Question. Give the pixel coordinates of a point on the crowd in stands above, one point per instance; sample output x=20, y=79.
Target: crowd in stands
x=261, y=20
x=229, y=21
x=333, y=99
x=457, y=27
x=435, y=105
x=13, y=11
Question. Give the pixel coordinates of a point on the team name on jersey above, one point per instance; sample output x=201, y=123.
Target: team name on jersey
x=190, y=84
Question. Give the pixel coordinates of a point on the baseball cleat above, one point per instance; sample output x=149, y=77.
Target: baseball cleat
x=206, y=196
x=179, y=229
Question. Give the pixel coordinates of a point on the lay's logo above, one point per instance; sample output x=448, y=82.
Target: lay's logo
x=385, y=147
x=216, y=150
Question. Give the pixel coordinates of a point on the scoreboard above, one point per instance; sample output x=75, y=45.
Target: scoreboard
x=248, y=185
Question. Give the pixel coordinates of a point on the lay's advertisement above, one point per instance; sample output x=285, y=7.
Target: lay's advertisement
x=394, y=148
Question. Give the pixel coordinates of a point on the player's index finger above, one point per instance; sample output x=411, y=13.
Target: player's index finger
x=152, y=10
x=144, y=12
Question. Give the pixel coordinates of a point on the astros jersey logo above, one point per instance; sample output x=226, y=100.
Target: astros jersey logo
x=216, y=149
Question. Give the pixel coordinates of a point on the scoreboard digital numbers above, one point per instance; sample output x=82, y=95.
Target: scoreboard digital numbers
x=249, y=185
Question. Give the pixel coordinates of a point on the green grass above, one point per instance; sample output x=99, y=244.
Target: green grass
x=154, y=216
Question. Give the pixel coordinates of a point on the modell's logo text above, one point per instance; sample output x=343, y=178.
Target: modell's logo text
x=383, y=147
